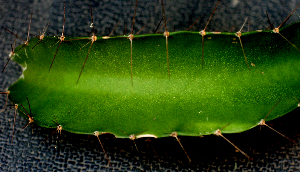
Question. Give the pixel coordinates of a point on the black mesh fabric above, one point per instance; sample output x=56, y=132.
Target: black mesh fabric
x=270, y=151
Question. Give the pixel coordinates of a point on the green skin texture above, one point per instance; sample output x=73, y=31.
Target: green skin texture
x=196, y=100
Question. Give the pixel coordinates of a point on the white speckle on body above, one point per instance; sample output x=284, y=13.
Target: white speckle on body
x=22, y=76
x=24, y=68
x=234, y=3
x=13, y=56
x=26, y=53
x=146, y=135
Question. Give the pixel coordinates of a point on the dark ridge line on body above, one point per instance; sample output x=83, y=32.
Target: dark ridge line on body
x=93, y=39
x=203, y=33
x=131, y=36
x=16, y=35
x=61, y=38
x=41, y=36
x=166, y=34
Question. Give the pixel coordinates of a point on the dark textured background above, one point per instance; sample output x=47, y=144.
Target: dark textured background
x=81, y=153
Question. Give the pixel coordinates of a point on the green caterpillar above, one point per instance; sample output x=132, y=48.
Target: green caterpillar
x=193, y=101
x=195, y=85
